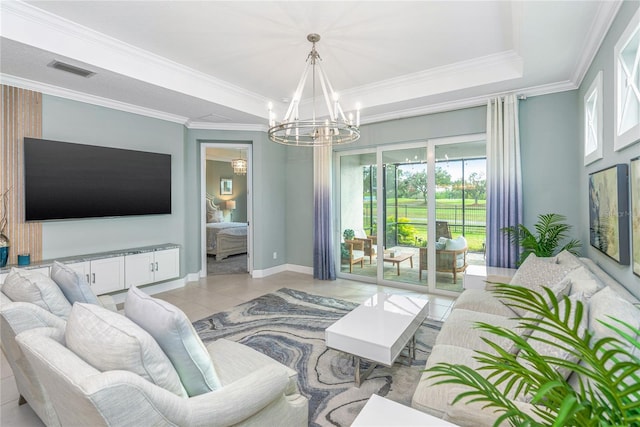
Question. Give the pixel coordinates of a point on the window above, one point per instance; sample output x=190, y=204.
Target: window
x=627, y=86
x=593, y=121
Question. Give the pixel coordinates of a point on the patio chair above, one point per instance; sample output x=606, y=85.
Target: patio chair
x=356, y=253
x=451, y=254
x=370, y=243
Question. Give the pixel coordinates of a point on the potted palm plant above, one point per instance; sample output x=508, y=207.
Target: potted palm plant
x=608, y=369
x=551, y=231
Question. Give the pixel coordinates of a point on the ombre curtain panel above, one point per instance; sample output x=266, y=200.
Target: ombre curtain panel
x=504, y=183
x=323, y=260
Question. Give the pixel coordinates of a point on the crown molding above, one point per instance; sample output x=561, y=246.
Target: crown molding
x=607, y=12
x=227, y=126
x=27, y=24
x=469, y=102
x=88, y=99
x=476, y=72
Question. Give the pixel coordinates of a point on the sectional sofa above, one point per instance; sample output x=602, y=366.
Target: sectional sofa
x=78, y=361
x=579, y=278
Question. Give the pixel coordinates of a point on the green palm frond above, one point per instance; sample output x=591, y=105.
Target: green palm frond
x=550, y=232
x=608, y=371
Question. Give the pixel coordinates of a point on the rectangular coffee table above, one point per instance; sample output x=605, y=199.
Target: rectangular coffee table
x=378, y=330
x=398, y=258
x=382, y=412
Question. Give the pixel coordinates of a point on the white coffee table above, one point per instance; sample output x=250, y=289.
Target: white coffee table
x=378, y=330
x=380, y=411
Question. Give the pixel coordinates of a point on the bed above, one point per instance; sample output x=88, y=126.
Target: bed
x=224, y=238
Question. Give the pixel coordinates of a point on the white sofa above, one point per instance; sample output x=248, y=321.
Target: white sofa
x=83, y=364
x=458, y=339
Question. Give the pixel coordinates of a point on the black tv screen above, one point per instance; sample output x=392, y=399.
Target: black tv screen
x=66, y=180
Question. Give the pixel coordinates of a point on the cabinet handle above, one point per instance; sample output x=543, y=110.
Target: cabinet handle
x=156, y=265
x=151, y=266
x=88, y=279
x=93, y=275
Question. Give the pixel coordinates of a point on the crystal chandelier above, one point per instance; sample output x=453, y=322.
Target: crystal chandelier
x=239, y=166
x=336, y=129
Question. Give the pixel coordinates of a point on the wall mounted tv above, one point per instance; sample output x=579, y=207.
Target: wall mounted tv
x=68, y=181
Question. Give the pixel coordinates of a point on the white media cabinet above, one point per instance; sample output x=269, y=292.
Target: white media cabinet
x=114, y=271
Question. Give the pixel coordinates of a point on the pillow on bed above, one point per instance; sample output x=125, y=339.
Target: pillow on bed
x=214, y=215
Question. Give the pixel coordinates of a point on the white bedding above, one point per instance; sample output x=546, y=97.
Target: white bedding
x=226, y=238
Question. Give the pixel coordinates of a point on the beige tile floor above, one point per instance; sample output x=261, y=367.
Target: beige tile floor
x=218, y=293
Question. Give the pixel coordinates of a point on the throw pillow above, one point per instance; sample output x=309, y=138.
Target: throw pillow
x=584, y=281
x=30, y=286
x=109, y=341
x=547, y=345
x=73, y=285
x=567, y=258
x=178, y=339
x=457, y=244
x=534, y=273
x=605, y=303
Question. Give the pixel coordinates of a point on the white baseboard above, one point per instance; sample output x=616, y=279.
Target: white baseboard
x=282, y=268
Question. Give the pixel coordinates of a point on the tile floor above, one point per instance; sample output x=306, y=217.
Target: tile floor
x=211, y=295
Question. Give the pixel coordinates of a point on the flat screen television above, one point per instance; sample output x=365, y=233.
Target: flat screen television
x=65, y=180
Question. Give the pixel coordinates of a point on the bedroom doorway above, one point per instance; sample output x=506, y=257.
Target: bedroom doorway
x=226, y=208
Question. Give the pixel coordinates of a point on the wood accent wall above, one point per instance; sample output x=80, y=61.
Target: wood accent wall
x=21, y=116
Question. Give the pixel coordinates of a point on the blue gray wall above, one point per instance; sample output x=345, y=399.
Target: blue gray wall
x=269, y=195
x=604, y=62
x=72, y=121
x=552, y=155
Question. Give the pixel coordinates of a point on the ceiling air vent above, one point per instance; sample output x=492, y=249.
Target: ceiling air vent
x=70, y=69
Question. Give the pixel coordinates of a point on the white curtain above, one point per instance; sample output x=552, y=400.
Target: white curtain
x=323, y=261
x=504, y=180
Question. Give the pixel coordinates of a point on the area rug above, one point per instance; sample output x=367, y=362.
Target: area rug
x=233, y=264
x=288, y=325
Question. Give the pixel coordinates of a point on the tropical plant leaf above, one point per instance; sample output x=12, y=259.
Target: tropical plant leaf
x=608, y=373
x=550, y=231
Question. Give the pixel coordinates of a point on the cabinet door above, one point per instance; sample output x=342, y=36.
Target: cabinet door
x=83, y=268
x=167, y=264
x=107, y=275
x=139, y=269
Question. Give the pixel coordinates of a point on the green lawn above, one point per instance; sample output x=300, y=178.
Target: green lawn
x=451, y=210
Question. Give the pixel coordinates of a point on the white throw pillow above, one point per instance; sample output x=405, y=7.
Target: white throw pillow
x=567, y=258
x=605, y=303
x=30, y=286
x=584, y=281
x=178, y=339
x=73, y=285
x=109, y=341
x=456, y=244
x=534, y=273
x=551, y=349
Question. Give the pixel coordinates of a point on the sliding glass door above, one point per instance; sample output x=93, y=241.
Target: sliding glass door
x=404, y=208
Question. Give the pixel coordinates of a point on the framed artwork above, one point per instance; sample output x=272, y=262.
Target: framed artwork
x=593, y=121
x=226, y=186
x=634, y=174
x=609, y=212
x=627, y=86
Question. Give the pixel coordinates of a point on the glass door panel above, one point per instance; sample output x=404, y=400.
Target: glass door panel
x=460, y=211
x=358, y=215
x=405, y=214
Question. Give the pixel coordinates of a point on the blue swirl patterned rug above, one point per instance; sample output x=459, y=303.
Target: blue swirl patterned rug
x=288, y=325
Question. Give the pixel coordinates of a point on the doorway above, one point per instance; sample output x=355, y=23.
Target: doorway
x=226, y=209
